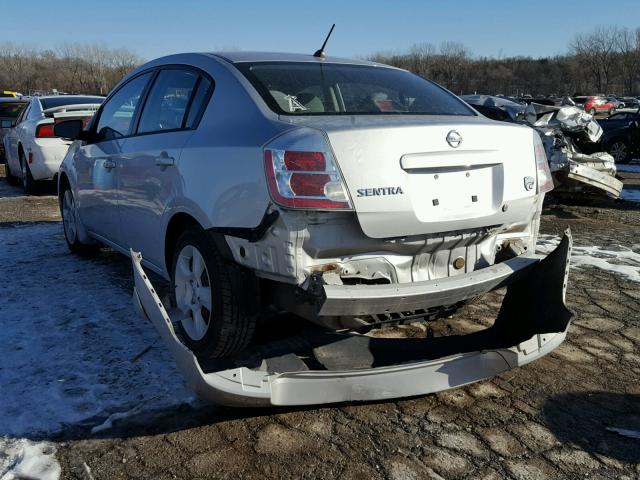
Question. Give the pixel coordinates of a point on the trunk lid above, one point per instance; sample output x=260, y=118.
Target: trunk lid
x=404, y=178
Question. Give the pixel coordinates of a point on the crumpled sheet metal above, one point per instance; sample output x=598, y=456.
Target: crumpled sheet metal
x=577, y=169
x=561, y=129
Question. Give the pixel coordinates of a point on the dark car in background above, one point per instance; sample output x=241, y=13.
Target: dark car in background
x=579, y=101
x=10, y=108
x=631, y=102
x=621, y=135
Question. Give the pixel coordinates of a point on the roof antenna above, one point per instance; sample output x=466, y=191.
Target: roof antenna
x=320, y=53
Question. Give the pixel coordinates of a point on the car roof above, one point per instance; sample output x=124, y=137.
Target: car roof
x=14, y=99
x=242, y=56
x=45, y=97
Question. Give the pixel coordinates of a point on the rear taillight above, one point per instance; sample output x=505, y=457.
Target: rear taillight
x=301, y=179
x=45, y=131
x=545, y=180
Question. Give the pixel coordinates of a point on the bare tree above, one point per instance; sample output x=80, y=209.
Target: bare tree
x=452, y=64
x=596, y=52
x=628, y=48
x=422, y=58
x=71, y=67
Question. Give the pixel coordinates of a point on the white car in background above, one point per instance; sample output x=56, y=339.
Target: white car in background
x=32, y=151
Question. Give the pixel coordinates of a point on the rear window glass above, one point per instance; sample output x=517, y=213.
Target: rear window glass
x=11, y=109
x=62, y=101
x=305, y=88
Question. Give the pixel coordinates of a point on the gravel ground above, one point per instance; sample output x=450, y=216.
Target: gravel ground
x=549, y=419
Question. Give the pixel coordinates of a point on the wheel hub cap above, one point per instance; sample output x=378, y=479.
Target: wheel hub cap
x=193, y=292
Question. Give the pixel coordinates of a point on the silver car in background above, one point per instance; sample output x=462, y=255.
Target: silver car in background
x=10, y=109
x=349, y=193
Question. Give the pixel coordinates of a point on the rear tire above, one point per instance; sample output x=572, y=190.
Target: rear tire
x=70, y=222
x=619, y=150
x=214, y=297
x=11, y=178
x=592, y=111
x=28, y=183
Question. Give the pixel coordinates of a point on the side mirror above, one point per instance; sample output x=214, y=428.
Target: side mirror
x=7, y=124
x=69, y=129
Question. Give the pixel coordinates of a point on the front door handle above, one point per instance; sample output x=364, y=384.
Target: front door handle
x=109, y=164
x=164, y=160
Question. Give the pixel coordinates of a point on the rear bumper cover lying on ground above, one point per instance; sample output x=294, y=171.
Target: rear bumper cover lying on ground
x=594, y=178
x=533, y=320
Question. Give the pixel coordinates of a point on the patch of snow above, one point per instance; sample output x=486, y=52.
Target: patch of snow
x=616, y=259
x=625, y=432
x=628, y=167
x=23, y=459
x=108, y=423
x=71, y=342
x=631, y=194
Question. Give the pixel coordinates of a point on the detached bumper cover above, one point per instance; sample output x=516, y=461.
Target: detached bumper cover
x=532, y=322
x=594, y=178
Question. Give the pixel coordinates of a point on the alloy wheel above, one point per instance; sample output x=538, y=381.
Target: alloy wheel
x=25, y=171
x=193, y=292
x=618, y=151
x=69, y=217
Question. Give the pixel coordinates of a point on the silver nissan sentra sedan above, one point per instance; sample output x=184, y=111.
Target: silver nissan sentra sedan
x=349, y=193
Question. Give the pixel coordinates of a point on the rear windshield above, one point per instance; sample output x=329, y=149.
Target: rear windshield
x=305, y=88
x=62, y=101
x=11, y=109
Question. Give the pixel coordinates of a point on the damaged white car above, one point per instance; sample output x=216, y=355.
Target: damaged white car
x=348, y=193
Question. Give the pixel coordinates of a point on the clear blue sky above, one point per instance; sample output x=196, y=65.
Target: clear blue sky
x=154, y=28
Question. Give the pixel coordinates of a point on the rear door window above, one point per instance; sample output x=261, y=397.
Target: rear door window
x=116, y=118
x=168, y=101
x=199, y=102
x=24, y=114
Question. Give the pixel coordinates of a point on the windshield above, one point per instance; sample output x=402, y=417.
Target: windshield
x=63, y=100
x=306, y=88
x=11, y=109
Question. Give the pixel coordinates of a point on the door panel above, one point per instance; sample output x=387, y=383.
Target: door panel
x=149, y=178
x=97, y=162
x=148, y=181
x=97, y=187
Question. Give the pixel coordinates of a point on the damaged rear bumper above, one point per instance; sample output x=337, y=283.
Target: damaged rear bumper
x=337, y=300
x=594, y=178
x=533, y=320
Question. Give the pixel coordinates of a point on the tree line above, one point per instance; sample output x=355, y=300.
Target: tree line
x=606, y=61
x=70, y=68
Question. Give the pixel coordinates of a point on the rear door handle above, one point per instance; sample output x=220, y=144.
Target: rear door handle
x=109, y=164
x=164, y=160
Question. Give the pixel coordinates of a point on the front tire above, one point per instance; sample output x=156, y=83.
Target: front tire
x=213, y=297
x=70, y=223
x=592, y=111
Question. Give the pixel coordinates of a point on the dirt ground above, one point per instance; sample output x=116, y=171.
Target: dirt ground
x=549, y=419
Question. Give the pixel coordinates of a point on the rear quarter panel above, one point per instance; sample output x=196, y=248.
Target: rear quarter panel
x=221, y=166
